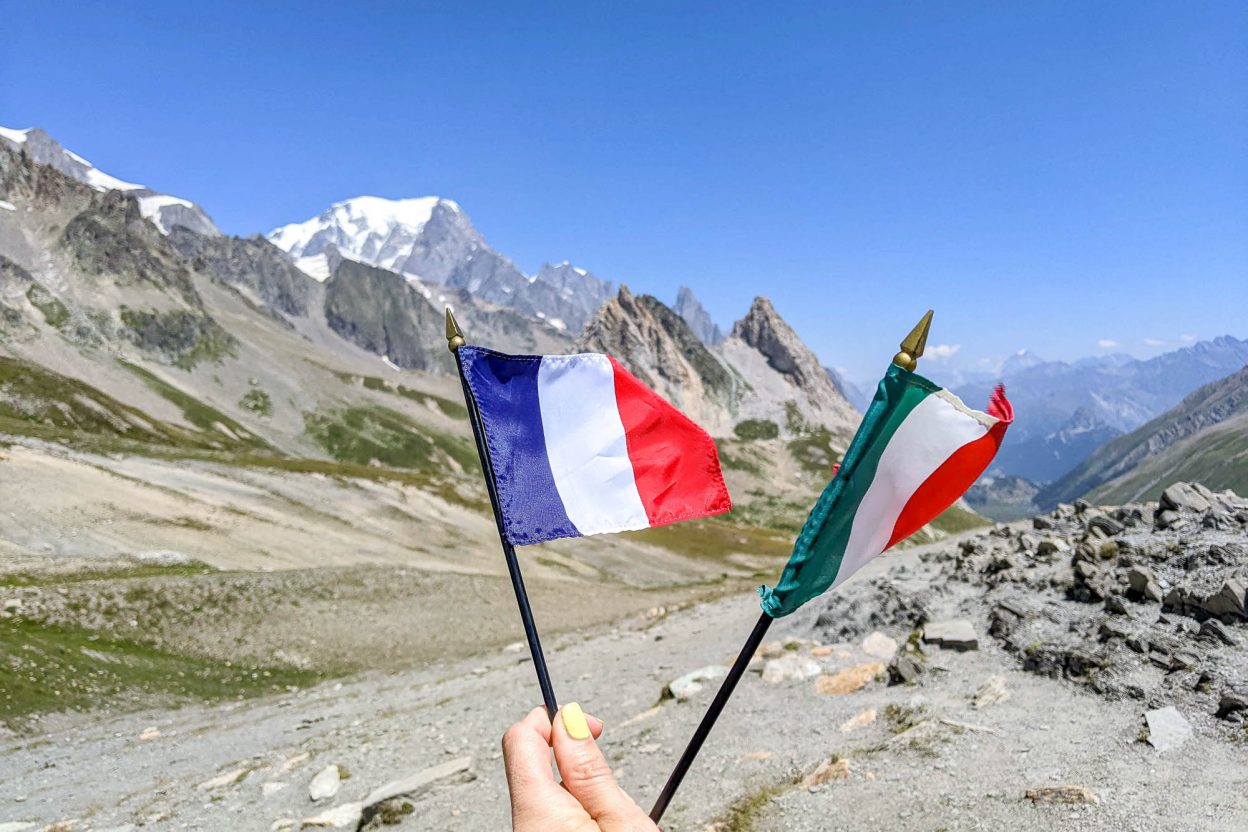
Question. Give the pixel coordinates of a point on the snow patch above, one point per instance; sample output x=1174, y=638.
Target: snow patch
x=15, y=136
x=385, y=359
x=150, y=207
x=360, y=224
x=557, y=324
x=7, y=206
x=315, y=267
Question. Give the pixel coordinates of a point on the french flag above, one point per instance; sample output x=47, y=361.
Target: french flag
x=579, y=446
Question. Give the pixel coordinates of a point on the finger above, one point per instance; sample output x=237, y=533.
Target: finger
x=595, y=725
x=526, y=757
x=585, y=772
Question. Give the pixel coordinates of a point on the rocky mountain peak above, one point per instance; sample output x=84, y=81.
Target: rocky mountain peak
x=763, y=329
x=699, y=320
x=163, y=210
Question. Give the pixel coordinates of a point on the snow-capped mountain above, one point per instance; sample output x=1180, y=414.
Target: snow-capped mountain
x=432, y=240
x=163, y=210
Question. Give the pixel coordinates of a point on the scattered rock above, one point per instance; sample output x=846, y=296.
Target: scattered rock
x=861, y=720
x=346, y=816
x=1167, y=728
x=458, y=770
x=228, y=778
x=879, y=645
x=834, y=769
x=149, y=733
x=791, y=667
x=1232, y=703
x=693, y=682
x=325, y=784
x=1073, y=795
x=848, y=680
x=991, y=692
x=1212, y=630
x=904, y=670
x=954, y=635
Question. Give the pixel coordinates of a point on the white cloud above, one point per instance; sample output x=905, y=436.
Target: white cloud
x=942, y=352
x=1154, y=342
x=1187, y=339
x=1108, y=344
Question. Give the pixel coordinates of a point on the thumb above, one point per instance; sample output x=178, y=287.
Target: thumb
x=584, y=770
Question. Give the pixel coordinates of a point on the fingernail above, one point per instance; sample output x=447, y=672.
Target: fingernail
x=574, y=721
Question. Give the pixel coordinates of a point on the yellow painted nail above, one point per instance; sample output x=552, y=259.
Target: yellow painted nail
x=574, y=721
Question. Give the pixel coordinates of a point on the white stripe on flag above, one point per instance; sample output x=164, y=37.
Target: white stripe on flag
x=930, y=434
x=586, y=446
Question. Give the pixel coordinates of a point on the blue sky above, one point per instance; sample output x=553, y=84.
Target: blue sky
x=1066, y=177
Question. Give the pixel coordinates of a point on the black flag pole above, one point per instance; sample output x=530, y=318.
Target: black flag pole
x=712, y=713
x=912, y=348
x=455, y=340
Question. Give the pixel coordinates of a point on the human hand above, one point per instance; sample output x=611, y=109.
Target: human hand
x=588, y=801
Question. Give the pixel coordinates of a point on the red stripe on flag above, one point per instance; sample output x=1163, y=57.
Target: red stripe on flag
x=675, y=463
x=948, y=482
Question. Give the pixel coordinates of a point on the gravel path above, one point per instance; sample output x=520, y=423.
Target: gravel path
x=958, y=768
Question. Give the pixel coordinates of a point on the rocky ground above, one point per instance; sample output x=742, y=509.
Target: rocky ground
x=1070, y=672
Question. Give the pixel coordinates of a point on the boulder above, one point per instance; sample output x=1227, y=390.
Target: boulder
x=1232, y=704
x=791, y=667
x=1105, y=524
x=692, y=683
x=1213, y=631
x=1167, y=729
x=848, y=680
x=325, y=784
x=879, y=645
x=958, y=634
x=1183, y=496
x=904, y=670
x=991, y=692
x=1228, y=602
x=346, y=816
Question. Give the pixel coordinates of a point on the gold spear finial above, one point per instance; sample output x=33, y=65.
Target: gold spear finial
x=454, y=337
x=912, y=345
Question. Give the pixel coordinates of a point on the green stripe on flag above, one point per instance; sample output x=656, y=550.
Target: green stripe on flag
x=817, y=554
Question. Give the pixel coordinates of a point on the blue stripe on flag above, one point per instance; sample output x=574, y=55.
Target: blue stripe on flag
x=505, y=388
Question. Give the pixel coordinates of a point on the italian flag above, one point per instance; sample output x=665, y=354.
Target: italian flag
x=918, y=449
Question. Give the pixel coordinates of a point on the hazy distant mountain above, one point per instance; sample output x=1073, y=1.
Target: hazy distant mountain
x=1065, y=410
x=433, y=240
x=166, y=212
x=1204, y=439
x=691, y=310
x=859, y=397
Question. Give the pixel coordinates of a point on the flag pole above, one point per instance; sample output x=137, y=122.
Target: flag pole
x=912, y=347
x=455, y=340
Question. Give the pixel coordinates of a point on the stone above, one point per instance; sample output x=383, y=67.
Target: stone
x=1167, y=729
x=953, y=635
x=1228, y=602
x=1212, y=630
x=1231, y=703
x=860, y=720
x=848, y=680
x=791, y=667
x=457, y=770
x=755, y=755
x=828, y=771
x=692, y=683
x=228, y=778
x=1116, y=606
x=1071, y=795
x=325, y=784
x=1167, y=519
x=879, y=645
x=149, y=733
x=1112, y=628
x=991, y=692
x=1041, y=523
x=904, y=670
x=1105, y=524
x=346, y=816
x=1052, y=546
x=292, y=763
x=1027, y=542
x=1184, y=496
